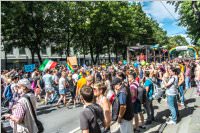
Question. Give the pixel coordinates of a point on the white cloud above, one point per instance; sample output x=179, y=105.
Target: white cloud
x=159, y=12
x=161, y=25
x=189, y=40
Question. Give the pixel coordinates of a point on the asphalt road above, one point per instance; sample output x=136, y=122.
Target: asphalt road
x=62, y=120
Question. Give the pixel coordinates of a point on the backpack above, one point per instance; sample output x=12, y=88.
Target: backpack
x=8, y=93
x=136, y=89
x=141, y=94
x=98, y=76
x=100, y=122
x=116, y=106
x=158, y=92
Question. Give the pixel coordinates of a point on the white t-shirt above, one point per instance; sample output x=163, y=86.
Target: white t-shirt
x=61, y=83
x=75, y=77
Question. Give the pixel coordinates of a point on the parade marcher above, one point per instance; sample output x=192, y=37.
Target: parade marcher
x=22, y=118
x=55, y=86
x=148, y=105
x=121, y=107
x=171, y=92
x=81, y=82
x=187, y=76
x=72, y=88
x=7, y=94
x=47, y=78
x=99, y=91
x=181, y=85
x=137, y=109
x=197, y=76
x=62, y=88
x=91, y=117
x=90, y=80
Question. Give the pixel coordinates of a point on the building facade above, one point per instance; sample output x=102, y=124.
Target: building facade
x=18, y=57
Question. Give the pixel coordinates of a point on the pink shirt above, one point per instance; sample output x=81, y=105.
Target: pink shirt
x=133, y=90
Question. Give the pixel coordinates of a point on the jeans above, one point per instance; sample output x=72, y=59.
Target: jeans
x=173, y=107
x=56, y=94
x=187, y=82
x=126, y=126
x=198, y=86
x=149, y=109
x=181, y=92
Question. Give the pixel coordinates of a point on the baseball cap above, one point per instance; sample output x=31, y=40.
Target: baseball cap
x=25, y=82
x=116, y=81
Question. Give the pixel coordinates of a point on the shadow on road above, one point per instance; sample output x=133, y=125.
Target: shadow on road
x=192, y=100
x=45, y=111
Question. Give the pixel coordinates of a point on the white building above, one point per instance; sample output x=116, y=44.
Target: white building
x=19, y=57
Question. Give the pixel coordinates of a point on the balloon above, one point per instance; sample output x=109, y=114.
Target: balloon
x=143, y=63
x=136, y=65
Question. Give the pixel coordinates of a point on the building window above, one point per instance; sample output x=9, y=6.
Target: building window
x=53, y=51
x=22, y=51
x=10, y=52
x=44, y=51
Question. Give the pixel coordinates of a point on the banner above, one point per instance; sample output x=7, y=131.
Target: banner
x=179, y=48
x=29, y=68
x=72, y=60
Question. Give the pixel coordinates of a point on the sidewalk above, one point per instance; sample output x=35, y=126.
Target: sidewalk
x=189, y=121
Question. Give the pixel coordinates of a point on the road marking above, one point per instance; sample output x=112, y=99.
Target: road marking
x=75, y=130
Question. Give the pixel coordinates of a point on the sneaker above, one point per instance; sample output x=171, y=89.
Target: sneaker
x=171, y=122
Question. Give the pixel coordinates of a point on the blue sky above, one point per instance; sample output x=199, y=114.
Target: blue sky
x=167, y=19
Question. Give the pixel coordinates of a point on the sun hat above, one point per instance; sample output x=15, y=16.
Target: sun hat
x=25, y=82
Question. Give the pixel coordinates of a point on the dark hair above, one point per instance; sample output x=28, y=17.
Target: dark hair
x=108, y=76
x=147, y=73
x=87, y=93
x=132, y=75
x=84, y=74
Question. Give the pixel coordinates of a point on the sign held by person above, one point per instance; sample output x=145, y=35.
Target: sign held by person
x=72, y=60
x=29, y=68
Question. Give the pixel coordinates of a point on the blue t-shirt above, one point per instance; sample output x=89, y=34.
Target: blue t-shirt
x=122, y=98
x=148, y=83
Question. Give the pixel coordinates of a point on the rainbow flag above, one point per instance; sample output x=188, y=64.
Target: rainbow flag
x=69, y=67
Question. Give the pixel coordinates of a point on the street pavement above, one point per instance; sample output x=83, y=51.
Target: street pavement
x=65, y=120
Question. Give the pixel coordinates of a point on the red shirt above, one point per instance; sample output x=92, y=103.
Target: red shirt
x=137, y=79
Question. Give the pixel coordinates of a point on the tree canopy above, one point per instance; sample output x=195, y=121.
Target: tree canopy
x=89, y=27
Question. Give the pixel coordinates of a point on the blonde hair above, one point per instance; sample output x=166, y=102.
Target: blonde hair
x=101, y=86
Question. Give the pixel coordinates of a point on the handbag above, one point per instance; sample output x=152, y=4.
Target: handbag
x=38, y=123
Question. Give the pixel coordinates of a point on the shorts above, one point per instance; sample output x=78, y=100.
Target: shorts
x=62, y=91
x=137, y=108
x=49, y=88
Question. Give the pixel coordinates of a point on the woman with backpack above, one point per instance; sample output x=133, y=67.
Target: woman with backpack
x=99, y=90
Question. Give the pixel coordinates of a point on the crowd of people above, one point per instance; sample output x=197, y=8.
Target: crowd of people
x=109, y=93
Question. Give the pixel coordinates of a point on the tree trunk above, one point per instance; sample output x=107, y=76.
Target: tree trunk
x=32, y=56
x=39, y=57
x=6, y=60
x=91, y=54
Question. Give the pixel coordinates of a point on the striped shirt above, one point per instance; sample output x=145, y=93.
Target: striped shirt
x=18, y=111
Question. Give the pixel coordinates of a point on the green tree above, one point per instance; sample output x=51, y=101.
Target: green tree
x=189, y=12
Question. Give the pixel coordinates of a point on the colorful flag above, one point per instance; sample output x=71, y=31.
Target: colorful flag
x=47, y=64
x=69, y=66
